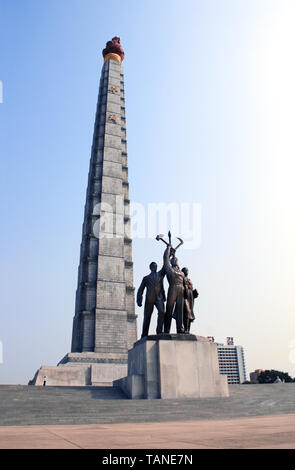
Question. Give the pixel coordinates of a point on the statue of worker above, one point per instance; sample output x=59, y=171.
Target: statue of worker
x=155, y=296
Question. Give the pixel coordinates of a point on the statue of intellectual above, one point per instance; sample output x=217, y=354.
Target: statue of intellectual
x=176, y=289
x=155, y=296
x=188, y=306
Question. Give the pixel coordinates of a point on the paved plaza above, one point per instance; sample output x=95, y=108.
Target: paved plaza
x=254, y=416
x=275, y=432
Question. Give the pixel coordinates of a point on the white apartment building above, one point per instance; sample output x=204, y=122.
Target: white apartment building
x=231, y=361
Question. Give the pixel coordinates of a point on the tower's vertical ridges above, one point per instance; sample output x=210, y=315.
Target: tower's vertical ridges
x=105, y=321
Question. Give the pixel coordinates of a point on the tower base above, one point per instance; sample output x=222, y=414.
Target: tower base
x=82, y=369
x=173, y=366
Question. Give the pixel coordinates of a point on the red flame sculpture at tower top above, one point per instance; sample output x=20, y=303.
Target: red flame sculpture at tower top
x=114, y=47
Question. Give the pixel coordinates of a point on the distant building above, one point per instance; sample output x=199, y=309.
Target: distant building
x=254, y=376
x=231, y=361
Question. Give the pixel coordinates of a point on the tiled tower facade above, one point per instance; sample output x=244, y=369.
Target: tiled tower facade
x=104, y=325
x=105, y=320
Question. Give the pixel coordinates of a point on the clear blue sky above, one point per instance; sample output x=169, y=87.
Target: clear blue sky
x=210, y=119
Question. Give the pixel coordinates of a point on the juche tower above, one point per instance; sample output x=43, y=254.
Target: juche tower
x=104, y=325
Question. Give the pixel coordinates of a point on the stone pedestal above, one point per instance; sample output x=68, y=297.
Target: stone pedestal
x=173, y=366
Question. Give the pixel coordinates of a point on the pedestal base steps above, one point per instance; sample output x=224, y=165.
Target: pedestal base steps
x=82, y=369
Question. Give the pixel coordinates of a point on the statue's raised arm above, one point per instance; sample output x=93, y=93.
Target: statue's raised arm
x=166, y=258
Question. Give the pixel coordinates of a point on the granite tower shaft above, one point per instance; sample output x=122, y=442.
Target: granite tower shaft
x=105, y=321
x=104, y=325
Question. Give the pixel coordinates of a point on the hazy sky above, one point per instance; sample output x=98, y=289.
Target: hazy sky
x=210, y=102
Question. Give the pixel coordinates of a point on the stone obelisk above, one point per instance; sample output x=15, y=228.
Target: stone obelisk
x=104, y=325
x=105, y=321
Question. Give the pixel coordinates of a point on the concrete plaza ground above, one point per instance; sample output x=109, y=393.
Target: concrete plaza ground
x=254, y=416
x=263, y=432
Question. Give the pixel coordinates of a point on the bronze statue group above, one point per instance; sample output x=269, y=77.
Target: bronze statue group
x=180, y=296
